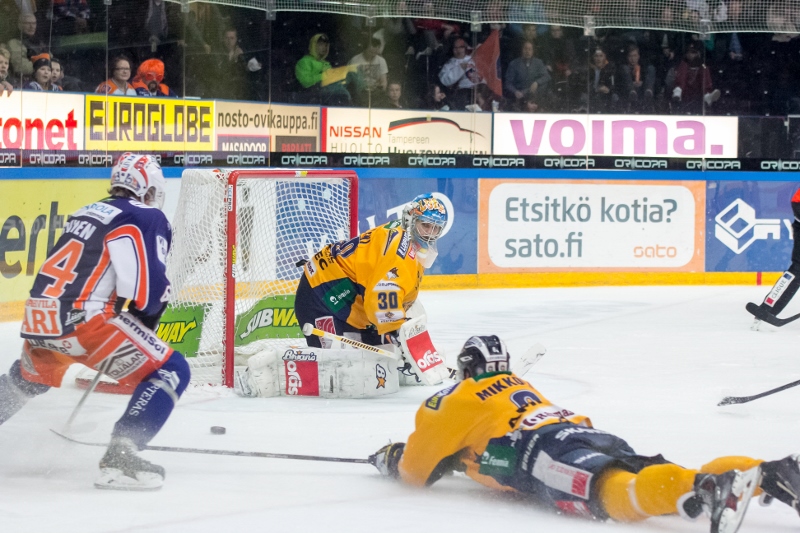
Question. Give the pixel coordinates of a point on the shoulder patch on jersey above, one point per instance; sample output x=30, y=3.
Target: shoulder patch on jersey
x=393, y=224
x=101, y=211
x=402, y=248
x=435, y=401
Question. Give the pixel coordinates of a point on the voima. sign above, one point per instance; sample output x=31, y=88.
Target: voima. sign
x=616, y=135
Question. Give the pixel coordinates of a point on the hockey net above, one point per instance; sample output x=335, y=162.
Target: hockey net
x=238, y=235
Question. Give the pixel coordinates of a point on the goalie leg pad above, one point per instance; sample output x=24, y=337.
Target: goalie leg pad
x=422, y=358
x=344, y=373
x=261, y=377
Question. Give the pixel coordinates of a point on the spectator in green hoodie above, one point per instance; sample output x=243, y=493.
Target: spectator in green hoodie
x=322, y=84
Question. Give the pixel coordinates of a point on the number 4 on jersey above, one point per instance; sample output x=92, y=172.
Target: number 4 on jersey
x=61, y=267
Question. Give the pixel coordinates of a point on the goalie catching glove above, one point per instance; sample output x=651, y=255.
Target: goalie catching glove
x=387, y=459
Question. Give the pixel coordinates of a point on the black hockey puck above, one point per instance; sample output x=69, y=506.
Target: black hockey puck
x=217, y=430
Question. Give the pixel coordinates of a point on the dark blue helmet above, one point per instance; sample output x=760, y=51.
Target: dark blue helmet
x=482, y=354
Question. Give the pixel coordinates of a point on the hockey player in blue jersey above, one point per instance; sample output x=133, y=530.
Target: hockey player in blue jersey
x=110, y=251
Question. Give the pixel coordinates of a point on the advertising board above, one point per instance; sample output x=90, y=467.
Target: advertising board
x=148, y=124
x=32, y=120
x=749, y=226
x=34, y=213
x=376, y=131
x=248, y=127
x=615, y=135
x=541, y=225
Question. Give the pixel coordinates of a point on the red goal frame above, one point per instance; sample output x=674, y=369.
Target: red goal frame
x=229, y=326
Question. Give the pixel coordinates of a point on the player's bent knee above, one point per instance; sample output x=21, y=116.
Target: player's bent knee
x=29, y=388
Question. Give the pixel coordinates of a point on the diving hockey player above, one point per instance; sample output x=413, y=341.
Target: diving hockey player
x=112, y=250
x=504, y=434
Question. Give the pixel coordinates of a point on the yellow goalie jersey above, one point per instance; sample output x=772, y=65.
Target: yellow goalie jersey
x=456, y=424
x=371, y=279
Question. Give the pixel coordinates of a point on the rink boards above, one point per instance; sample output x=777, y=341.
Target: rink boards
x=508, y=227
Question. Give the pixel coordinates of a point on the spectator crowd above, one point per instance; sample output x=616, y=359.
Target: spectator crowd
x=151, y=48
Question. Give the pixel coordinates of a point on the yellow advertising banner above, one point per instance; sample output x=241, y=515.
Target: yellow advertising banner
x=34, y=213
x=148, y=124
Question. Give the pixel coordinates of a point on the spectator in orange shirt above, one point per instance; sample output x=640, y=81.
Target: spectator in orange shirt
x=148, y=79
x=118, y=83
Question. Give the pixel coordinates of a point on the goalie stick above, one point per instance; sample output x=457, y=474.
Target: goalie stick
x=309, y=329
x=730, y=400
x=769, y=318
x=520, y=366
x=204, y=451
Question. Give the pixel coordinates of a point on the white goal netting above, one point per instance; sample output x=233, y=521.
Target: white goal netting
x=700, y=16
x=281, y=217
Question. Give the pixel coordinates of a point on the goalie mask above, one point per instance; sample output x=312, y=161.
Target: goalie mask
x=141, y=175
x=482, y=354
x=425, y=218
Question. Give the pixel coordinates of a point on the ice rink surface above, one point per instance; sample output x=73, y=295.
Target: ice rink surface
x=646, y=363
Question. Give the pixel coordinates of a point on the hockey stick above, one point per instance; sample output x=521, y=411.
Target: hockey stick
x=768, y=317
x=309, y=330
x=729, y=400
x=228, y=452
x=86, y=394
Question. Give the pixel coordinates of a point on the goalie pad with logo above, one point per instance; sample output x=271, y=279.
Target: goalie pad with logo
x=423, y=363
x=326, y=373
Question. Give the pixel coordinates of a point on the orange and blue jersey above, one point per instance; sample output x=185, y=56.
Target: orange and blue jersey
x=110, y=250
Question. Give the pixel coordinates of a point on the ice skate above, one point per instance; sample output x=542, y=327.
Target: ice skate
x=122, y=469
x=725, y=497
x=781, y=480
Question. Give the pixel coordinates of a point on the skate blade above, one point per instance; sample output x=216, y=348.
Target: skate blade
x=743, y=488
x=115, y=479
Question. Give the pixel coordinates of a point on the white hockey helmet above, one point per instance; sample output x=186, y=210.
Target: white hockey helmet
x=140, y=174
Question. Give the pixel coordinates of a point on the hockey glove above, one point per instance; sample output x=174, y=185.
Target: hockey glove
x=387, y=458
